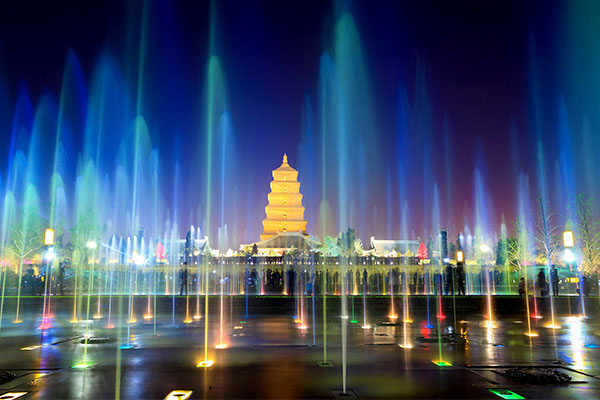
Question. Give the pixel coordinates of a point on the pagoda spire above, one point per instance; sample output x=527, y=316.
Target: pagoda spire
x=285, y=158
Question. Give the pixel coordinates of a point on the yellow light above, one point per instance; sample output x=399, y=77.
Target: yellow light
x=392, y=316
x=31, y=347
x=221, y=346
x=406, y=346
x=49, y=237
x=97, y=316
x=197, y=316
x=12, y=395
x=531, y=334
x=148, y=316
x=568, y=239
x=187, y=321
x=460, y=256
x=366, y=327
x=489, y=324
x=179, y=395
x=205, y=364
x=553, y=326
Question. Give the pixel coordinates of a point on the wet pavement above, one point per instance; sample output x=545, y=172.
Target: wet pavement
x=269, y=356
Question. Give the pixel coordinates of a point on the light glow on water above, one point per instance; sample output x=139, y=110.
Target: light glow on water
x=205, y=364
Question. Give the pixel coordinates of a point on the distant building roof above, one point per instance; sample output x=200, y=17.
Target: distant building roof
x=387, y=246
x=281, y=242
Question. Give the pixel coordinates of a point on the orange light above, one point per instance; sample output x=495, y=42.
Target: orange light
x=460, y=256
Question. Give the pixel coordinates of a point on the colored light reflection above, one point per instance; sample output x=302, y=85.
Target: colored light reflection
x=30, y=347
x=506, y=394
x=552, y=326
x=82, y=365
x=205, y=364
x=179, y=395
x=489, y=325
x=577, y=342
x=442, y=363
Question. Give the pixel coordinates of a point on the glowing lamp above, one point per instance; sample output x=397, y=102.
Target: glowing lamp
x=12, y=395
x=205, y=364
x=179, y=395
x=49, y=237
x=460, y=256
x=484, y=248
x=569, y=257
x=49, y=255
x=568, y=239
x=82, y=365
x=506, y=394
x=441, y=363
x=91, y=244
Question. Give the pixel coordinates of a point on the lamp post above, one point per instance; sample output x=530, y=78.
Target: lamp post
x=49, y=258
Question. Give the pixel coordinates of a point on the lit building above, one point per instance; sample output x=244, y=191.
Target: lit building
x=285, y=212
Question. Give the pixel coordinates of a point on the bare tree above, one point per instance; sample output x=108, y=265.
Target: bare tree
x=589, y=234
x=546, y=236
x=515, y=251
x=87, y=228
x=26, y=240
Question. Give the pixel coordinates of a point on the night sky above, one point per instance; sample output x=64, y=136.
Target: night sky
x=477, y=58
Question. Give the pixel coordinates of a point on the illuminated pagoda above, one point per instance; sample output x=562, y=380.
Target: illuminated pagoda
x=284, y=227
x=285, y=212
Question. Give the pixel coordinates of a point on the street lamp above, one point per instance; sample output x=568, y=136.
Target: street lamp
x=460, y=256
